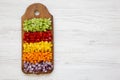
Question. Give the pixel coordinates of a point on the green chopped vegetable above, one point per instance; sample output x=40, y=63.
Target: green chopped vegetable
x=37, y=24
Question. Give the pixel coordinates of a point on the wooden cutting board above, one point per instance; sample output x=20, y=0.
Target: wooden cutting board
x=37, y=10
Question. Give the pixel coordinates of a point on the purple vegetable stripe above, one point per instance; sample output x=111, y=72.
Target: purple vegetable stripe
x=38, y=67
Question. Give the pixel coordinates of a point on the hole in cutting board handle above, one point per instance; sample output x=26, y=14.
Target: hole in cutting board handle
x=37, y=13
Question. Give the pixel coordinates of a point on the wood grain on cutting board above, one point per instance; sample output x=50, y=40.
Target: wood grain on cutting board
x=30, y=13
x=87, y=39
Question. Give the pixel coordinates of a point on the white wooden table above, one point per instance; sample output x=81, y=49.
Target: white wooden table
x=87, y=39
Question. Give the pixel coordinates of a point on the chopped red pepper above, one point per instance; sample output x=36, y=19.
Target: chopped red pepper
x=37, y=36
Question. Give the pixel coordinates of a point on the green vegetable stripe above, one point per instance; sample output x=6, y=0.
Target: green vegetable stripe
x=37, y=24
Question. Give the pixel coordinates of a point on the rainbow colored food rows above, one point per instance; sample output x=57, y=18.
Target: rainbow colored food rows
x=37, y=46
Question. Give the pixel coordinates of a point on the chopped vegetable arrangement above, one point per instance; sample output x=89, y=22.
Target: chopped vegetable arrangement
x=37, y=47
x=37, y=24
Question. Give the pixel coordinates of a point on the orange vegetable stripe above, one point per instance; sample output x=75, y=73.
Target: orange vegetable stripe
x=37, y=57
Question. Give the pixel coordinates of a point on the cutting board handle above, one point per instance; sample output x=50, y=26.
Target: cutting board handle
x=37, y=7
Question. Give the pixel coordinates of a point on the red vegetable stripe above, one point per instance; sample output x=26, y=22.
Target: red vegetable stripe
x=37, y=36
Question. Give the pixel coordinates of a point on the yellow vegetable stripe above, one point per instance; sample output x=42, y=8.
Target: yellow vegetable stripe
x=43, y=46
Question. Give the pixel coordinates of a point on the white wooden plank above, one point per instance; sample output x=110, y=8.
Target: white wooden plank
x=87, y=39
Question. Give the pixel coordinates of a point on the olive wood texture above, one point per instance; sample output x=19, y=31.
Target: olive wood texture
x=43, y=13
